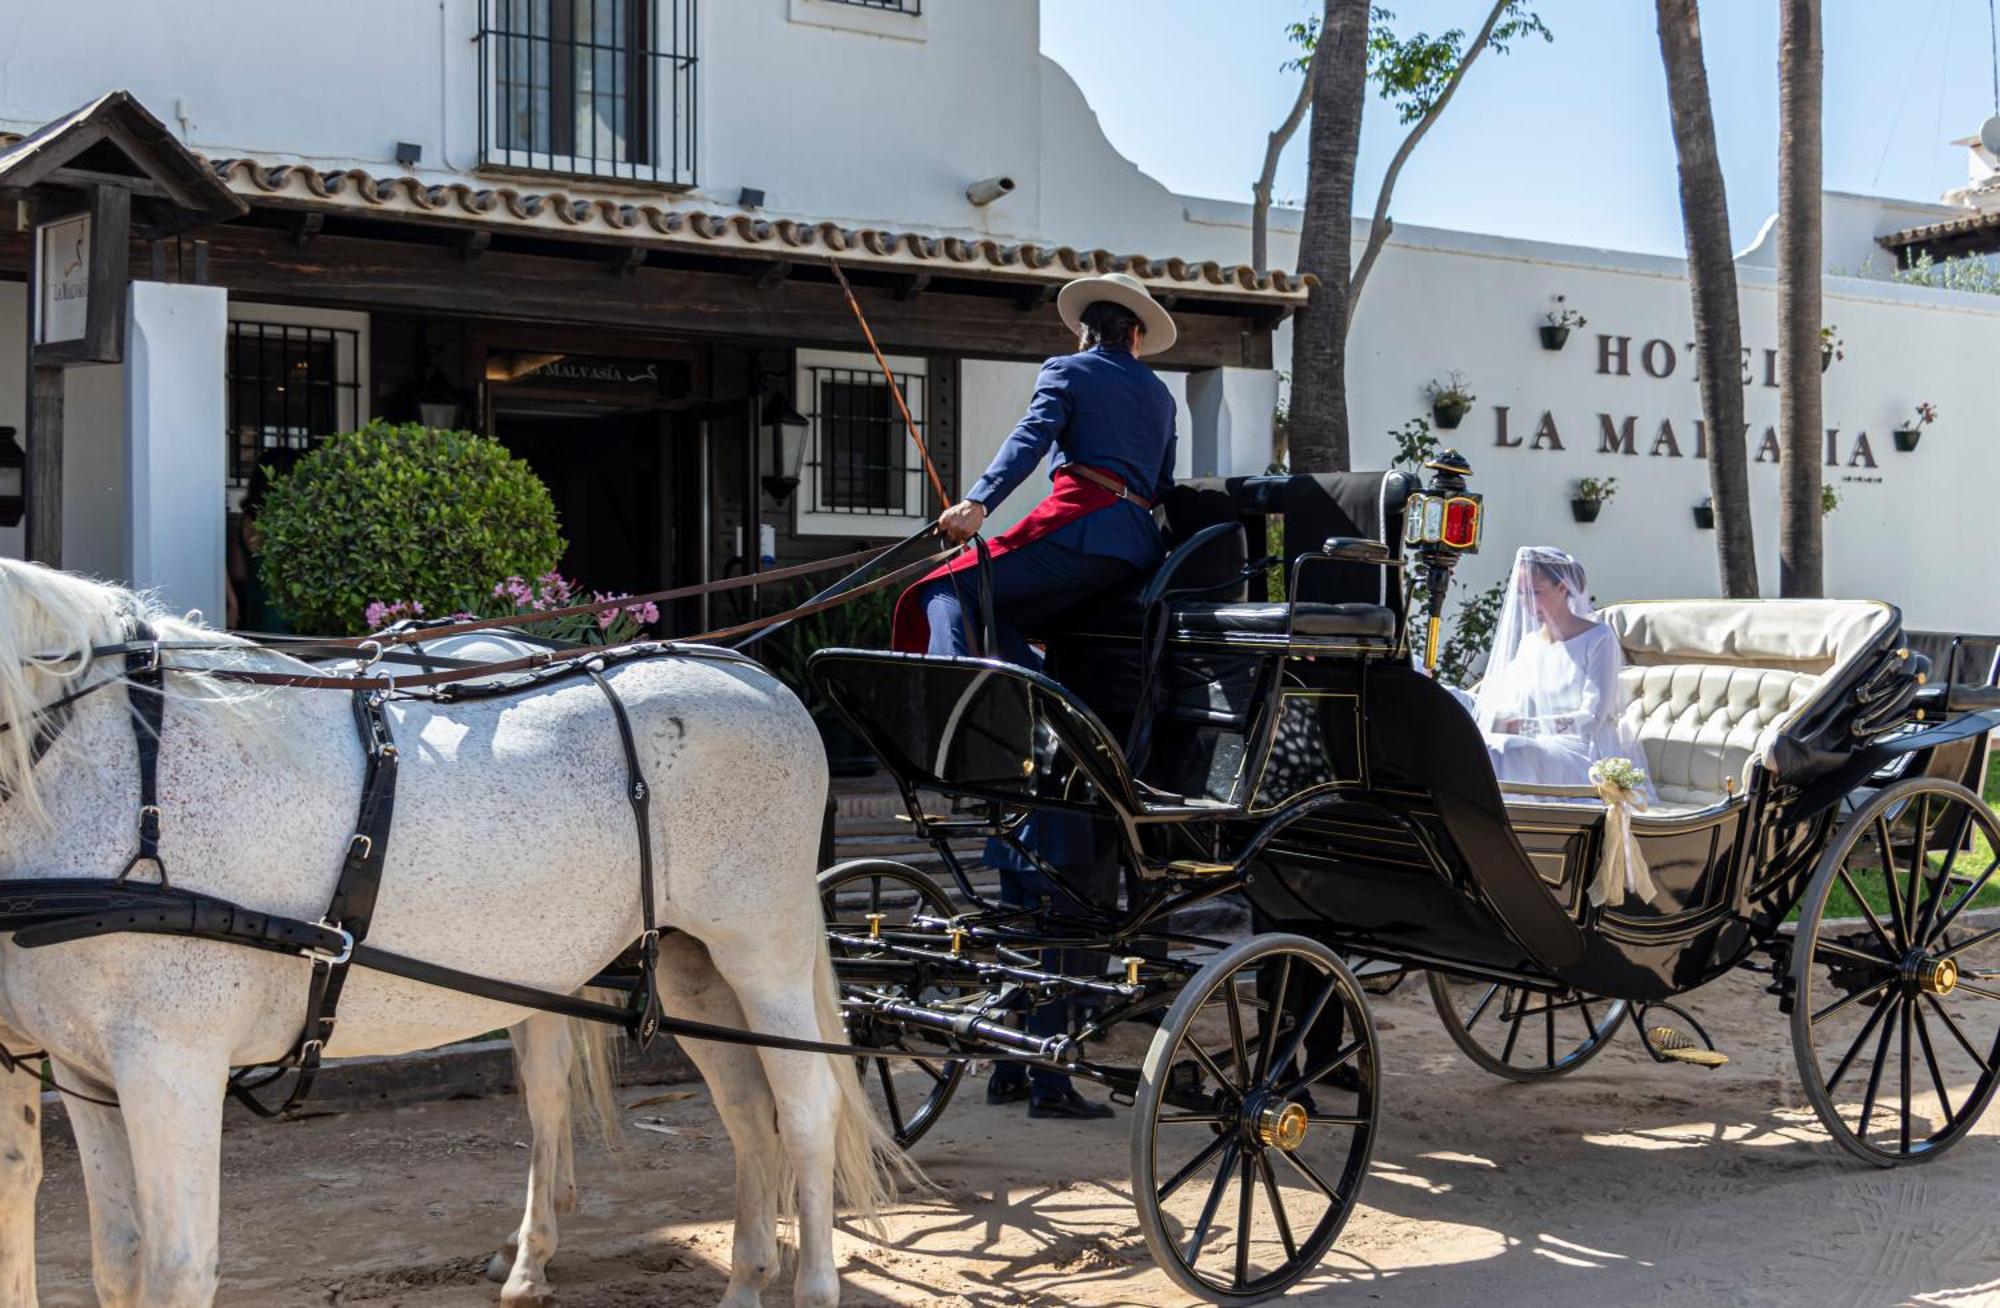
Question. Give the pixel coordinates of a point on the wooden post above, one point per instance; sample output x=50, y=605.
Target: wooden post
x=44, y=447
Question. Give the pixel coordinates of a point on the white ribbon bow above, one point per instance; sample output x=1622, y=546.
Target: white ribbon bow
x=1623, y=867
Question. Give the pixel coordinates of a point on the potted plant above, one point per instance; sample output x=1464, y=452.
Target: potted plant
x=1829, y=347
x=1557, y=324
x=1829, y=499
x=1704, y=513
x=1450, y=401
x=1588, y=499
x=1414, y=444
x=1908, y=430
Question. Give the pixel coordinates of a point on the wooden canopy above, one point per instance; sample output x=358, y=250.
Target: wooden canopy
x=114, y=141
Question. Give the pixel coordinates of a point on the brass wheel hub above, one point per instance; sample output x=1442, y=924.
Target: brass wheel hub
x=1282, y=1125
x=1937, y=976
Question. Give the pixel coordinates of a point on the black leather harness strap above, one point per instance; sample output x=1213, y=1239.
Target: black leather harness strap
x=645, y=1015
x=348, y=914
x=145, y=684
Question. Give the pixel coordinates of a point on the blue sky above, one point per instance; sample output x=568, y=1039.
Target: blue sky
x=1566, y=142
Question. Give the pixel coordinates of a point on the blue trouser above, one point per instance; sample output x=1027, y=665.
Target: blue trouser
x=1030, y=584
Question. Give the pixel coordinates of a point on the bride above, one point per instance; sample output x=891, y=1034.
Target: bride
x=1548, y=703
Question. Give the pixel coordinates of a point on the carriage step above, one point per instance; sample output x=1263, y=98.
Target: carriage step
x=1673, y=1043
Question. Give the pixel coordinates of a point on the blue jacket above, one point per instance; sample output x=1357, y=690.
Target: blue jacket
x=1103, y=408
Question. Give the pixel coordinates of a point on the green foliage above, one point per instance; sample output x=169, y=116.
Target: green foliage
x=1829, y=499
x=1304, y=35
x=407, y=512
x=1472, y=635
x=1412, y=72
x=1596, y=490
x=1975, y=274
x=1415, y=443
x=1451, y=391
x=858, y=624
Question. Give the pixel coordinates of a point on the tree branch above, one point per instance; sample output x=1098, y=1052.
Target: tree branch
x=1380, y=227
x=1260, y=209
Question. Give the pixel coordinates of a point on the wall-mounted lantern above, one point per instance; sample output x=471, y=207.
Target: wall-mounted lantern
x=13, y=479
x=779, y=413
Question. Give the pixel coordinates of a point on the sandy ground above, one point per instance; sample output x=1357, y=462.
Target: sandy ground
x=1625, y=1184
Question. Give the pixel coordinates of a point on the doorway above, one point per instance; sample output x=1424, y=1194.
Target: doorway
x=616, y=479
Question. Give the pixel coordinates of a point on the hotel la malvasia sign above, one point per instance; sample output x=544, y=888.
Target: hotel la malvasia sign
x=1643, y=435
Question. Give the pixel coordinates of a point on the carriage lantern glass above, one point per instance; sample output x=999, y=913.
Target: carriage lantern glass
x=13, y=479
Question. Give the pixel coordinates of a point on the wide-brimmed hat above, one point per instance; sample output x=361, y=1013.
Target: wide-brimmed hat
x=1120, y=289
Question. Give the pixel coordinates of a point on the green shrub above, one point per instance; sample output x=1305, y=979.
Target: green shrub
x=405, y=512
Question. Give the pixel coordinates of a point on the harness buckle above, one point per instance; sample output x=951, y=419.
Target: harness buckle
x=152, y=663
x=361, y=847
x=149, y=822
x=331, y=959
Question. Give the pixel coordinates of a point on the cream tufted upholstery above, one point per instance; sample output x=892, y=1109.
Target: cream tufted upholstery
x=1708, y=684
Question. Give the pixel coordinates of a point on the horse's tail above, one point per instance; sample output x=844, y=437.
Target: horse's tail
x=593, y=1072
x=868, y=1166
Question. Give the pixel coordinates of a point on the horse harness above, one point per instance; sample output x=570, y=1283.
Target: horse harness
x=42, y=912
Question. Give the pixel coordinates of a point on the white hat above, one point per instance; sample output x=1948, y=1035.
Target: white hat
x=1128, y=292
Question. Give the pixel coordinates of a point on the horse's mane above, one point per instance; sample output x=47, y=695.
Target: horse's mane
x=49, y=623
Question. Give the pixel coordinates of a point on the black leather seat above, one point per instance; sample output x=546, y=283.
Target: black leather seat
x=1309, y=618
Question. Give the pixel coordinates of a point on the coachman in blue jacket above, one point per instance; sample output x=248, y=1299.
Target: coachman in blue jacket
x=1106, y=425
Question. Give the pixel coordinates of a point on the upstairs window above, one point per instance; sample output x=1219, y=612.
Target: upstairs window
x=601, y=88
x=893, y=6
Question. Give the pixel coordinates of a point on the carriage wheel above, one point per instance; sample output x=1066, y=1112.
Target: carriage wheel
x=1896, y=975
x=1524, y=1034
x=1250, y=1137
x=910, y=1093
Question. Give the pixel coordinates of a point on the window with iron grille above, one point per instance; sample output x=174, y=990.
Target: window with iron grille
x=289, y=385
x=604, y=88
x=859, y=461
x=893, y=6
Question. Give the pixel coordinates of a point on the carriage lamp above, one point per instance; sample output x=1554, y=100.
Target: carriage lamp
x=1441, y=524
x=779, y=413
x=13, y=479
x=1450, y=521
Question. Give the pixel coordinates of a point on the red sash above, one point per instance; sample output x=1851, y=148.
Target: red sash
x=1071, y=498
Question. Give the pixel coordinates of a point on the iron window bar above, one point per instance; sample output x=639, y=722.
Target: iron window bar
x=288, y=386
x=598, y=88
x=892, y=6
x=858, y=457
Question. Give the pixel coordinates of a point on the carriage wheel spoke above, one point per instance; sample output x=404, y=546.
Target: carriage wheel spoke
x=1875, y=923
x=1930, y=1060
x=875, y=894
x=1854, y=997
x=1325, y=1069
x=889, y=1093
x=1867, y=1029
x=1549, y=1029
x=1199, y=1161
x=1919, y=862
x=1958, y=1033
x=1852, y=955
x=1875, y=1073
x=1904, y=1039
x=1306, y=1170
x=1272, y=1020
x=1480, y=1011
x=1192, y=1253
x=1589, y=1021
x=1244, y=1182
x=1971, y=892
x=1214, y=1069
x=1886, y=846
x=1963, y=945
x=1238, y=1050
x=1335, y=1119
x=1966, y=987
x=1306, y=1024
x=1276, y=1199
x=1513, y=1031
x=1198, y=1119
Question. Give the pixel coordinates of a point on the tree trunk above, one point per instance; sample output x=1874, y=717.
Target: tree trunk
x=1379, y=226
x=1718, y=322
x=1274, y=148
x=1326, y=241
x=1801, y=425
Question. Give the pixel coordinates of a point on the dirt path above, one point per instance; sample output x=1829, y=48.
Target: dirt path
x=1625, y=1184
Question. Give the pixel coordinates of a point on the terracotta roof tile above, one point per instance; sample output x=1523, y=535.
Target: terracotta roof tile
x=1984, y=220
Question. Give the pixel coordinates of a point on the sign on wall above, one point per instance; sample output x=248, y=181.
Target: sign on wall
x=62, y=311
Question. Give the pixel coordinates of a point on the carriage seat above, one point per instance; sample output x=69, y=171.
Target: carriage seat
x=1709, y=684
x=1305, y=618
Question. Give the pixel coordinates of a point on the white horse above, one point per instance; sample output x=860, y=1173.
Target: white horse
x=512, y=855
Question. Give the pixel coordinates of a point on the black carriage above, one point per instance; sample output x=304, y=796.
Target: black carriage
x=1819, y=820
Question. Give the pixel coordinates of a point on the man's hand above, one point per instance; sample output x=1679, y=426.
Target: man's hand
x=961, y=520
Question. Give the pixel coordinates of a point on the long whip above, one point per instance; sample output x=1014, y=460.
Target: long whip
x=909, y=423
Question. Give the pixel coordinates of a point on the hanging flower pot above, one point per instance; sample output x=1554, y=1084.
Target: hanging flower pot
x=1553, y=338
x=1704, y=515
x=1906, y=438
x=1908, y=430
x=1450, y=401
x=1586, y=510
x=1587, y=501
x=1449, y=413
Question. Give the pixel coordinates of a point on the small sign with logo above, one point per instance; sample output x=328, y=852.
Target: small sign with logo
x=63, y=311
x=604, y=374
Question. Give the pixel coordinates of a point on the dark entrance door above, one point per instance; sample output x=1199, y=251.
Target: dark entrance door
x=612, y=475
